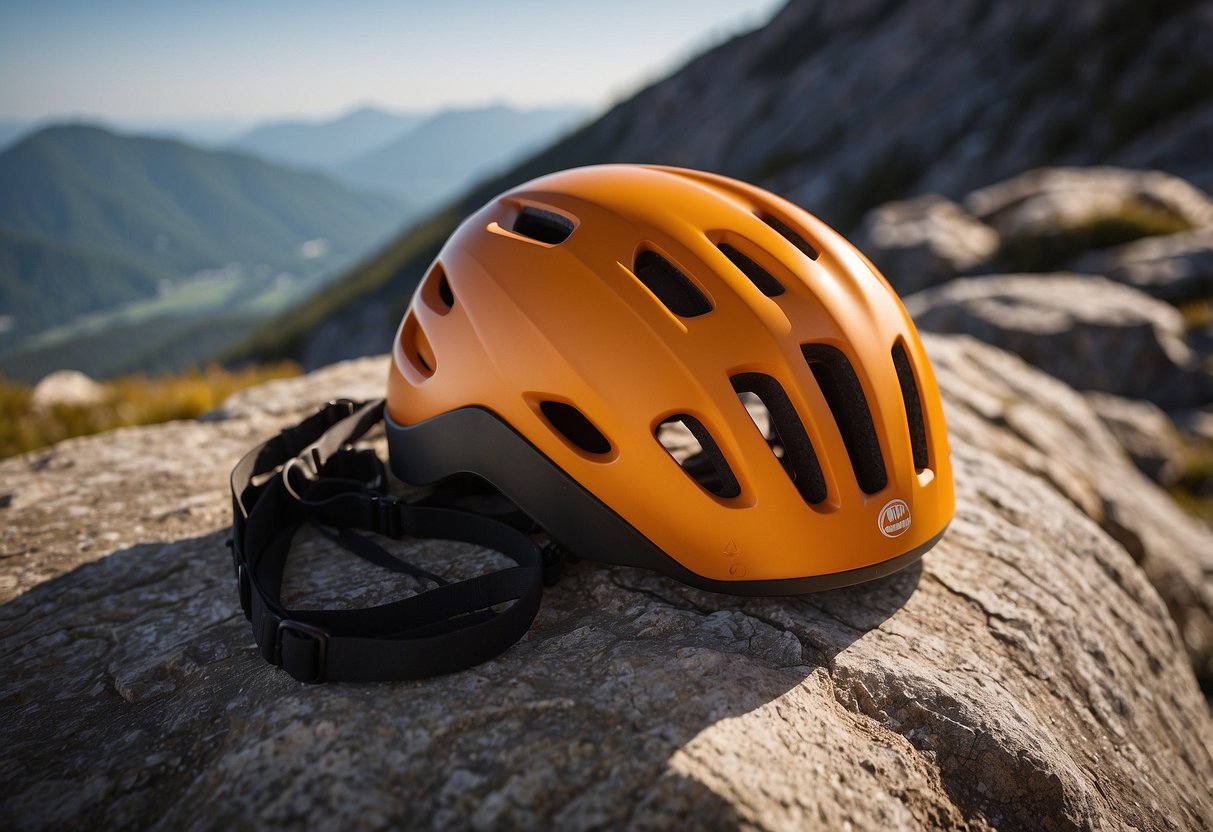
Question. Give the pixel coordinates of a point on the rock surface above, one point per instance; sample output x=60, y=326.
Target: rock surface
x=1177, y=268
x=1087, y=331
x=1048, y=201
x=921, y=242
x=1034, y=422
x=1198, y=422
x=1145, y=431
x=66, y=387
x=1025, y=675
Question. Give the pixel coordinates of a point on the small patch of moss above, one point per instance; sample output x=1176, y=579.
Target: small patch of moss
x=1193, y=487
x=1047, y=252
x=1197, y=314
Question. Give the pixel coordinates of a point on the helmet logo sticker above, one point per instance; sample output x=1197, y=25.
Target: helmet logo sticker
x=894, y=518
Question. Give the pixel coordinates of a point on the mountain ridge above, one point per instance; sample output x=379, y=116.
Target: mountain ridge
x=323, y=143
x=447, y=152
x=136, y=177
x=874, y=101
x=86, y=199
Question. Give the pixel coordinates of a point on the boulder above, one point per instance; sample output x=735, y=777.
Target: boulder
x=70, y=388
x=1085, y=330
x=1177, y=268
x=1049, y=216
x=1049, y=201
x=1026, y=674
x=1038, y=424
x=1145, y=431
x=924, y=241
x=1197, y=422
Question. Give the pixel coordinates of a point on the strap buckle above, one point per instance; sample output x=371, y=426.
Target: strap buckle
x=302, y=650
x=389, y=518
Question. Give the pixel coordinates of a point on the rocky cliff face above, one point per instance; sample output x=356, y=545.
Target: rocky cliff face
x=843, y=106
x=1026, y=675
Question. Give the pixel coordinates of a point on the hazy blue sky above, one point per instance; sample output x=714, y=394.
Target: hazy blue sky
x=127, y=59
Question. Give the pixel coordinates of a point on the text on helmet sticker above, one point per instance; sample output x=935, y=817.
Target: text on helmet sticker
x=894, y=518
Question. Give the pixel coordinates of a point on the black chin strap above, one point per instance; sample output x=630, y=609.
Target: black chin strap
x=309, y=473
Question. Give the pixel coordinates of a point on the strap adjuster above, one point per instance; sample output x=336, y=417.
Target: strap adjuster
x=302, y=650
x=389, y=519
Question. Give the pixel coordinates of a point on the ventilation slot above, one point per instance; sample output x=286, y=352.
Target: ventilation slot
x=844, y=394
x=760, y=277
x=672, y=287
x=544, y=226
x=791, y=236
x=417, y=347
x=909, y=395
x=572, y=424
x=786, y=434
x=692, y=447
x=444, y=291
x=436, y=291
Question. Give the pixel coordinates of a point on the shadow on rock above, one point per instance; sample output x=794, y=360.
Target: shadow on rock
x=133, y=694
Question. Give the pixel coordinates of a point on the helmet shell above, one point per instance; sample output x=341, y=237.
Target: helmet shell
x=516, y=321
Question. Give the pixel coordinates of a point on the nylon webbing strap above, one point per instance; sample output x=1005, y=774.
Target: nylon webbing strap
x=310, y=473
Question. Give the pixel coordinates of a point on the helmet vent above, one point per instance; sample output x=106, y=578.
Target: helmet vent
x=785, y=433
x=913, y=403
x=417, y=347
x=673, y=288
x=844, y=395
x=691, y=445
x=573, y=425
x=760, y=277
x=790, y=235
x=444, y=291
x=436, y=290
x=544, y=226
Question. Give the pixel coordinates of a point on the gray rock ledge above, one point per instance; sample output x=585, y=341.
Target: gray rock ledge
x=1026, y=675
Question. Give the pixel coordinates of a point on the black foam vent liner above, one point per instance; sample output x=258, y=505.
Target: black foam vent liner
x=673, y=288
x=909, y=395
x=444, y=290
x=573, y=425
x=760, y=277
x=799, y=459
x=788, y=233
x=844, y=394
x=544, y=226
x=706, y=464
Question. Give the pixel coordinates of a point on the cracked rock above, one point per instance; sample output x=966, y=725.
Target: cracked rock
x=1028, y=673
x=1087, y=331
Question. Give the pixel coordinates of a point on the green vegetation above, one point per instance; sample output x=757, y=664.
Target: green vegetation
x=168, y=343
x=1193, y=488
x=1197, y=314
x=133, y=400
x=30, y=266
x=1047, y=252
x=390, y=274
x=91, y=220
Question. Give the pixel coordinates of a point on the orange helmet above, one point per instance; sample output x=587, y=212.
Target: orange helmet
x=573, y=323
